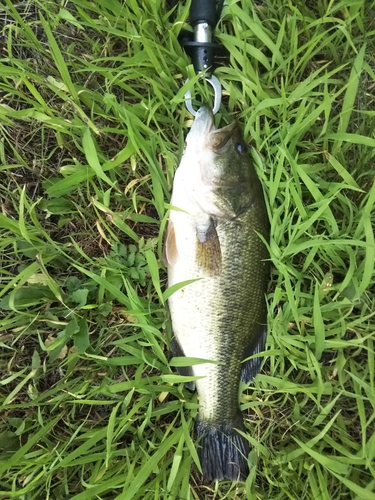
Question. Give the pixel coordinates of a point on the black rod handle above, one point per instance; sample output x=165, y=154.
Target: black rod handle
x=203, y=11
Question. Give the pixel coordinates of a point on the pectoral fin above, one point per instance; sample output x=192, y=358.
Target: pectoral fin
x=170, y=253
x=208, y=248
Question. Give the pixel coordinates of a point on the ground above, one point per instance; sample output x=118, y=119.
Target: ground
x=92, y=126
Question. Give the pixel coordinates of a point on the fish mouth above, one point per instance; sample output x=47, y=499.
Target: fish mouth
x=203, y=123
x=204, y=135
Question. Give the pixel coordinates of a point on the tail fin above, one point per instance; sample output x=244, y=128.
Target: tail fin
x=222, y=451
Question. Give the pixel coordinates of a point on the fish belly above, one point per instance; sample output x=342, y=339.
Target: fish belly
x=217, y=317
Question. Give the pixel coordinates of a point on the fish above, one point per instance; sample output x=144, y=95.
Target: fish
x=216, y=241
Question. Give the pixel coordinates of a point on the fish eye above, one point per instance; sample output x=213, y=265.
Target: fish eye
x=241, y=148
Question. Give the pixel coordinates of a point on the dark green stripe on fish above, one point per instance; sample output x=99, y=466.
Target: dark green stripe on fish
x=215, y=236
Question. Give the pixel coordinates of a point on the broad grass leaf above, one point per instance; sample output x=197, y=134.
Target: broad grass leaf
x=319, y=329
x=185, y=361
x=92, y=157
x=81, y=337
x=350, y=96
x=130, y=491
x=177, y=286
x=32, y=441
x=153, y=267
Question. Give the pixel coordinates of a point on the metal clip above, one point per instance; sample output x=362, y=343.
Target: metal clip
x=202, y=52
x=214, y=82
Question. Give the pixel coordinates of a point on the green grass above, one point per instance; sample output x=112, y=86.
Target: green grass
x=92, y=125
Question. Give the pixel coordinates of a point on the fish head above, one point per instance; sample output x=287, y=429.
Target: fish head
x=218, y=167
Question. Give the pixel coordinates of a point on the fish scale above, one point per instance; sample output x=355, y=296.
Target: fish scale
x=214, y=238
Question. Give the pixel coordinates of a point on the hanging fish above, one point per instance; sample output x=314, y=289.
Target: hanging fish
x=214, y=237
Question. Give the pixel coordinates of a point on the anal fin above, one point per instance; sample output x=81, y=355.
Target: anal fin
x=251, y=367
x=186, y=371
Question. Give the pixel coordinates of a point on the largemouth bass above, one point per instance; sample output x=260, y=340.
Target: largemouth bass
x=214, y=237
